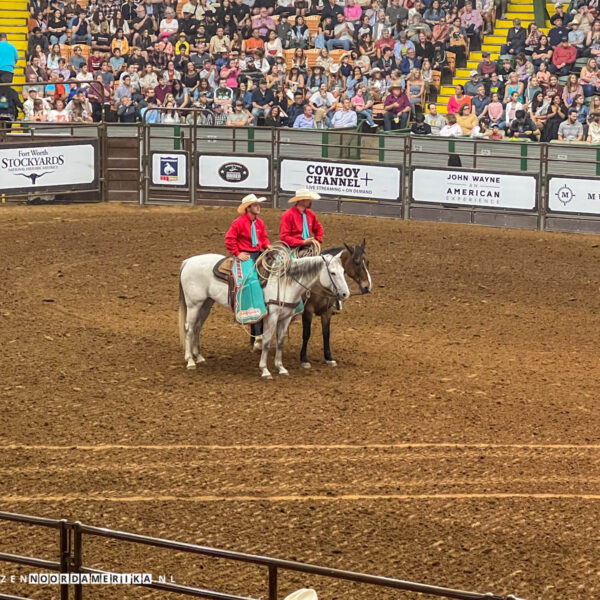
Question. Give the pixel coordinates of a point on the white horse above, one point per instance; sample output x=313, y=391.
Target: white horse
x=199, y=289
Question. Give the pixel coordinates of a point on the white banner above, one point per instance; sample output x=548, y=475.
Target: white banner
x=341, y=179
x=30, y=168
x=574, y=195
x=169, y=169
x=489, y=190
x=244, y=172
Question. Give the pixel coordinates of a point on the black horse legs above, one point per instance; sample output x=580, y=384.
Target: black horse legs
x=325, y=324
x=306, y=327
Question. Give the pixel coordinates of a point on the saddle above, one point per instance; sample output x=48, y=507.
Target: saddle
x=223, y=271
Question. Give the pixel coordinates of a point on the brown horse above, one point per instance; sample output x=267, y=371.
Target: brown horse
x=323, y=304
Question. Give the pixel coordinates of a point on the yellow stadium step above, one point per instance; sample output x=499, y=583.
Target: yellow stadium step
x=491, y=48
x=447, y=90
x=13, y=14
x=528, y=16
x=520, y=8
x=13, y=28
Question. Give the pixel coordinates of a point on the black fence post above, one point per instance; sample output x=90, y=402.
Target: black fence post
x=272, y=582
x=65, y=556
x=77, y=560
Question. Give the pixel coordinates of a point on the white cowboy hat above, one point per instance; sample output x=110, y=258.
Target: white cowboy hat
x=304, y=195
x=303, y=594
x=248, y=200
x=334, y=68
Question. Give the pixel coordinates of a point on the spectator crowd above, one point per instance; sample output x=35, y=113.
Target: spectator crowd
x=309, y=64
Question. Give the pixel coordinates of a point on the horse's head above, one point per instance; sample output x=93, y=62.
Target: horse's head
x=356, y=265
x=332, y=276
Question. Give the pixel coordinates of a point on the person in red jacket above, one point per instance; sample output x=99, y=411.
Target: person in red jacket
x=299, y=225
x=563, y=58
x=246, y=239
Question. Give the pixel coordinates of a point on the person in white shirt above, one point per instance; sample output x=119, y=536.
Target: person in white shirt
x=59, y=114
x=32, y=96
x=452, y=128
x=84, y=75
x=434, y=120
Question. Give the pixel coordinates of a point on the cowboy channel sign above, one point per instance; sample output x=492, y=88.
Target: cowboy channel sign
x=354, y=180
x=36, y=167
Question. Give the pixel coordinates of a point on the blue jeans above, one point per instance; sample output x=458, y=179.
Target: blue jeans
x=319, y=41
x=259, y=112
x=366, y=114
x=81, y=39
x=332, y=44
x=61, y=39
x=388, y=120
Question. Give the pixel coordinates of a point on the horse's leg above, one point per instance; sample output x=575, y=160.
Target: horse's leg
x=307, y=317
x=282, y=327
x=190, y=333
x=202, y=316
x=325, y=324
x=270, y=321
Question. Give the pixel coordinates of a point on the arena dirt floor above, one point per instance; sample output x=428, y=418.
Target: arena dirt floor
x=457, y=443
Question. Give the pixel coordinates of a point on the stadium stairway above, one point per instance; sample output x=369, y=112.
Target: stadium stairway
x=13, y=21
x=492, y=42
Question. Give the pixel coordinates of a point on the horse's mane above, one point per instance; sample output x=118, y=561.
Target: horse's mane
x=307, y=266
x=333, y=251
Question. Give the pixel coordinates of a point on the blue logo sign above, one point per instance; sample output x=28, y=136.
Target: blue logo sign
x=169, y=168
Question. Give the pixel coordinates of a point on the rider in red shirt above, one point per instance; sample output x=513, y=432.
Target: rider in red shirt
x=246, y=239
x=240, y=240
x=299, y=225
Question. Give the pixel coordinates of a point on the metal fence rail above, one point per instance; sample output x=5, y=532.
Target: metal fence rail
x=71, y=542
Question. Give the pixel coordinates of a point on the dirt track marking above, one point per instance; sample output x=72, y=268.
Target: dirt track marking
x=317, y=498
x=105, y=447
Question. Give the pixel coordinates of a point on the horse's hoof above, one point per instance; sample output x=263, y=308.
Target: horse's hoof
x=331, y=363
x=200, y=360
x=269, y=376
x=283, y=372
x=191, y=366
x=306, y=365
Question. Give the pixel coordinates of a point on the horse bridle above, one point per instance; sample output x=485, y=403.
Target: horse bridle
x=308, y=292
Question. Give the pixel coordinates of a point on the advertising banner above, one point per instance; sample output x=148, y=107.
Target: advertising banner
x=574, y=195
x=354, y=180
x=244, y=172
x=169, y=168
x=469, y=188
x=42, y=166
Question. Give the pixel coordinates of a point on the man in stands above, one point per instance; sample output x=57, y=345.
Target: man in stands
x=563, y=59
x=299, y=225
x=434, y=120
x=296, y=109
x=397, y=108
x=523, y=127
x=515, y=39
x=570, y=130
x=306, y=120
x=345, y=117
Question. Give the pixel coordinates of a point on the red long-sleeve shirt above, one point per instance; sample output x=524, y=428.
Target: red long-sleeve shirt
x=239, y=237
x=562, y=55
x=290, y=229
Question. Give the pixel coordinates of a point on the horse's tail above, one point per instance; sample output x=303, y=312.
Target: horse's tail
x=182, y=313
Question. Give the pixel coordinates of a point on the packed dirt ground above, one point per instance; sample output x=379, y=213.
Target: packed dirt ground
x=457, y=442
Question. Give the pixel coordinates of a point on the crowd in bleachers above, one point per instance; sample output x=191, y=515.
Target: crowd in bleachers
x=542, y=88
x=311, y=64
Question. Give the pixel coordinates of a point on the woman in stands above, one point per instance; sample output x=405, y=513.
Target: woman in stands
x=459, y=98
x=595, y=105
x=431, y=90
x=538, y=110
x=100, y=30
x=181, y=95
x=300, y=35
x=354, y=79
x=274, y=117
x=204, y=90
x=324, y=33
x=273, y=47
x=458, y=43
x=467, y=119
x=300, y=60
x=362, y=28
x=451, y=128
x=513, y=85
x=324, y=60
x=557, y=113
x=415, y=88
x=495, y=111
x=169, y=25
x=58, y=114
x=295, y=80
x=118, y=22
x=542, y=52
x=57, y=28
x=589, y=78
x=366, y=47
x=120, y=42
x=543, y=75
x=362, y=102
x=533, y=39
x=571, y=89
x=523, y=68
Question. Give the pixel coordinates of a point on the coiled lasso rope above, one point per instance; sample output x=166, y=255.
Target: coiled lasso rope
x=276, y=261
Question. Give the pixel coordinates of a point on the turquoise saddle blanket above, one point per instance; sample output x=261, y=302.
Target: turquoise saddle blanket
x=249, y=299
